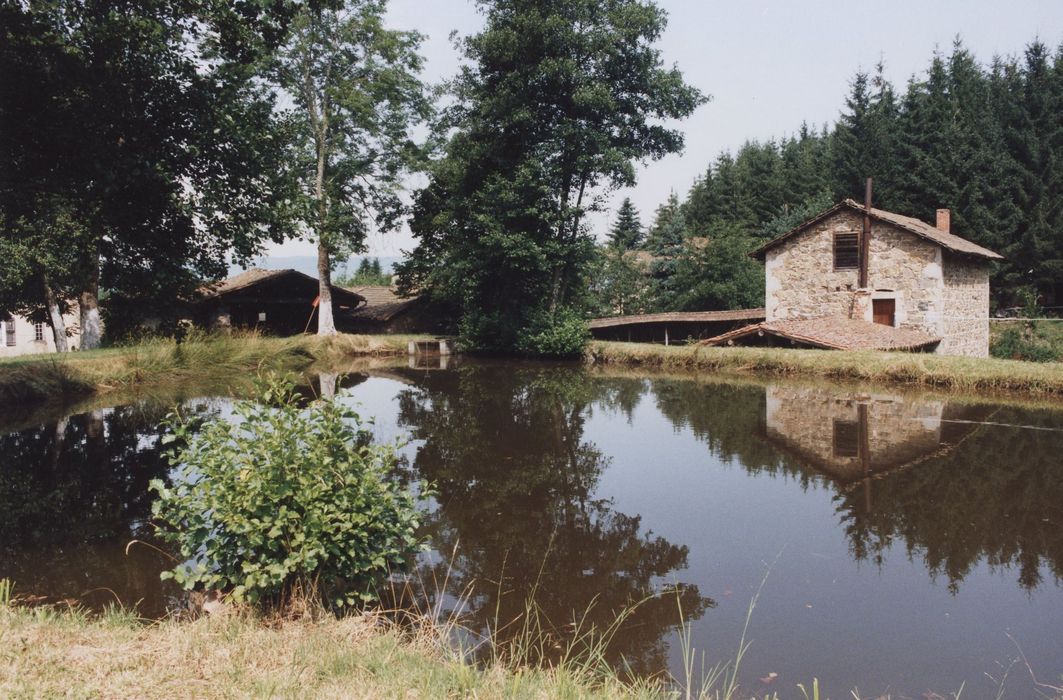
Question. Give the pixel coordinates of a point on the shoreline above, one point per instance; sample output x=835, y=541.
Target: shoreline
x=981, y=376
x=206, y=360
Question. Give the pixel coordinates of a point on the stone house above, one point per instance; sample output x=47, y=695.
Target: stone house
x=902, y=285
x=21, y=336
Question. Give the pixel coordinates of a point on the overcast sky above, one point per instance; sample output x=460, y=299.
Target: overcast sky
x=768, y=65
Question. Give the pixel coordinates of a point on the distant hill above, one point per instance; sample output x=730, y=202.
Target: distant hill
x=307, y=264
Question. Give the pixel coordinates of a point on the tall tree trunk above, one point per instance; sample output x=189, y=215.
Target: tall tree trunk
x=55, y=316
x=325, y=323
x=91, y=328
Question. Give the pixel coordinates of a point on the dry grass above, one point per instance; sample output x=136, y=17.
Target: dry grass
x=978, y=375
x=200, y=359
x=48, y=654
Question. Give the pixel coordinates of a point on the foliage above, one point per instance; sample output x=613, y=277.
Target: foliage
x=562, y=334
x=626, y=233
x=984, y=141
x=1028, y=340
x=556, y=102
x=368, y=273
x=135, y=148
x=717, y=274
x=618, y=284
x=285, y=498
x=356, y=94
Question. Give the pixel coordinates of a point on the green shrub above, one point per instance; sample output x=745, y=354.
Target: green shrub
x=1024, y=341
x=284, y=498
x=561, y=334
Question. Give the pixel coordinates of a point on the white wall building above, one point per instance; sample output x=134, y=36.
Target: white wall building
x=20, y=336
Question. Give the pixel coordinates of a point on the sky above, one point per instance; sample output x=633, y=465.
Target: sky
x=769, y=65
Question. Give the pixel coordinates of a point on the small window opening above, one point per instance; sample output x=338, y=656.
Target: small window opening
x=846, y=251
x=9, y=326
x=846, y=438
x=261, y=316
x=38, y=331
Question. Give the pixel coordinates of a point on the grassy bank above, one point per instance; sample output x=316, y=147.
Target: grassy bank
x=1034, y=340
x=912, y=369
x=44, y=653
x=201, y=359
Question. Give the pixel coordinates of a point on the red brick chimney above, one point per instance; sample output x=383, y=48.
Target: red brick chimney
x=944, y=217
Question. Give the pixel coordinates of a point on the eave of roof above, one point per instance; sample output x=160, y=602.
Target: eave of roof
x=922, y=229
x=834, y=333
x=679, y=317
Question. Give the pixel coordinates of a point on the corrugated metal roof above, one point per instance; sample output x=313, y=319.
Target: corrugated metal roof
x=922, y=229
x=679, y=317
x=834, y=333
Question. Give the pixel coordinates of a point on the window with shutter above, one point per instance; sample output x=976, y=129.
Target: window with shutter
x=846, y=251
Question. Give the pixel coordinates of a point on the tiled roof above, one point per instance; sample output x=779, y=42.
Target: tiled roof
x=833, y=333
x=382, y=303
x=679, y=317
x=920, y=228
x=255, y=276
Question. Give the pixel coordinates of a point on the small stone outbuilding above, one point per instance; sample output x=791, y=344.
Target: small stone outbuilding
x=927, y=283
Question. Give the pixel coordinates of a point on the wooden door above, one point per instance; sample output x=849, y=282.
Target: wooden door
x=884, y=311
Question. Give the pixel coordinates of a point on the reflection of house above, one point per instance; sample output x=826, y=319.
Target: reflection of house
x=849, y=436
x=386, y=312
x=20, y=336
x=858, y=277
x=276, y=301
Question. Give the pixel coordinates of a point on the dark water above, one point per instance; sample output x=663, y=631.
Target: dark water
x=906, y=544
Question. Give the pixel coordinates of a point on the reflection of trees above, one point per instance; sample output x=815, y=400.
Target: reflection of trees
x=997, y=496
x=991, y=494
x=515, y=478
x=73, y=492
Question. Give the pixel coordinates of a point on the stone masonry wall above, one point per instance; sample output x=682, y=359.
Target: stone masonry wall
x=802, y=281
x=965, y=326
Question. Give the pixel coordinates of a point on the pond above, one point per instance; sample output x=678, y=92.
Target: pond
x=901, y=543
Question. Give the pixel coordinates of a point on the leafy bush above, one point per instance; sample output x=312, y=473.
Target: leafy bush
x=1025, y=341
x=284, y=498
x=561, y=334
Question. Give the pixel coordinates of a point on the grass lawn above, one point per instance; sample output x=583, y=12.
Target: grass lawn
x=44, y=653
x=969, y=374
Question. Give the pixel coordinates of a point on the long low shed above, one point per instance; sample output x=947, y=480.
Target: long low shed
x=672, y=328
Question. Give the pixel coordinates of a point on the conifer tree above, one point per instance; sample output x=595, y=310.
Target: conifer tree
x=626, y=233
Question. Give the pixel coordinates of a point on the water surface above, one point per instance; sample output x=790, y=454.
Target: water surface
x=902, y=543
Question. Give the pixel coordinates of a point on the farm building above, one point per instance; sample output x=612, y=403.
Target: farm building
x=280, y=302
x=672, y=328
x=856, y=277
x=387, y=312
x=22, y=336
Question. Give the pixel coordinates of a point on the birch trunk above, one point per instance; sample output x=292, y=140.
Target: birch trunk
x=55, y=316
x=325, y=323
x=91, y=328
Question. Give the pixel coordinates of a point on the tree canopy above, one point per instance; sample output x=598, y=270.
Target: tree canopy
x=555, y=104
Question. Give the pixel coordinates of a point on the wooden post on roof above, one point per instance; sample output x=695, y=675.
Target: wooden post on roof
x=865, y=239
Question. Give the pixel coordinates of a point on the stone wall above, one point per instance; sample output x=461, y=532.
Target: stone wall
x=965, y=323
x=802, y=282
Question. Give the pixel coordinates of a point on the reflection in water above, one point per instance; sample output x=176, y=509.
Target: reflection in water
x=534, y=507
x=923, y=472
x=516, y=484
x=73, y=493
